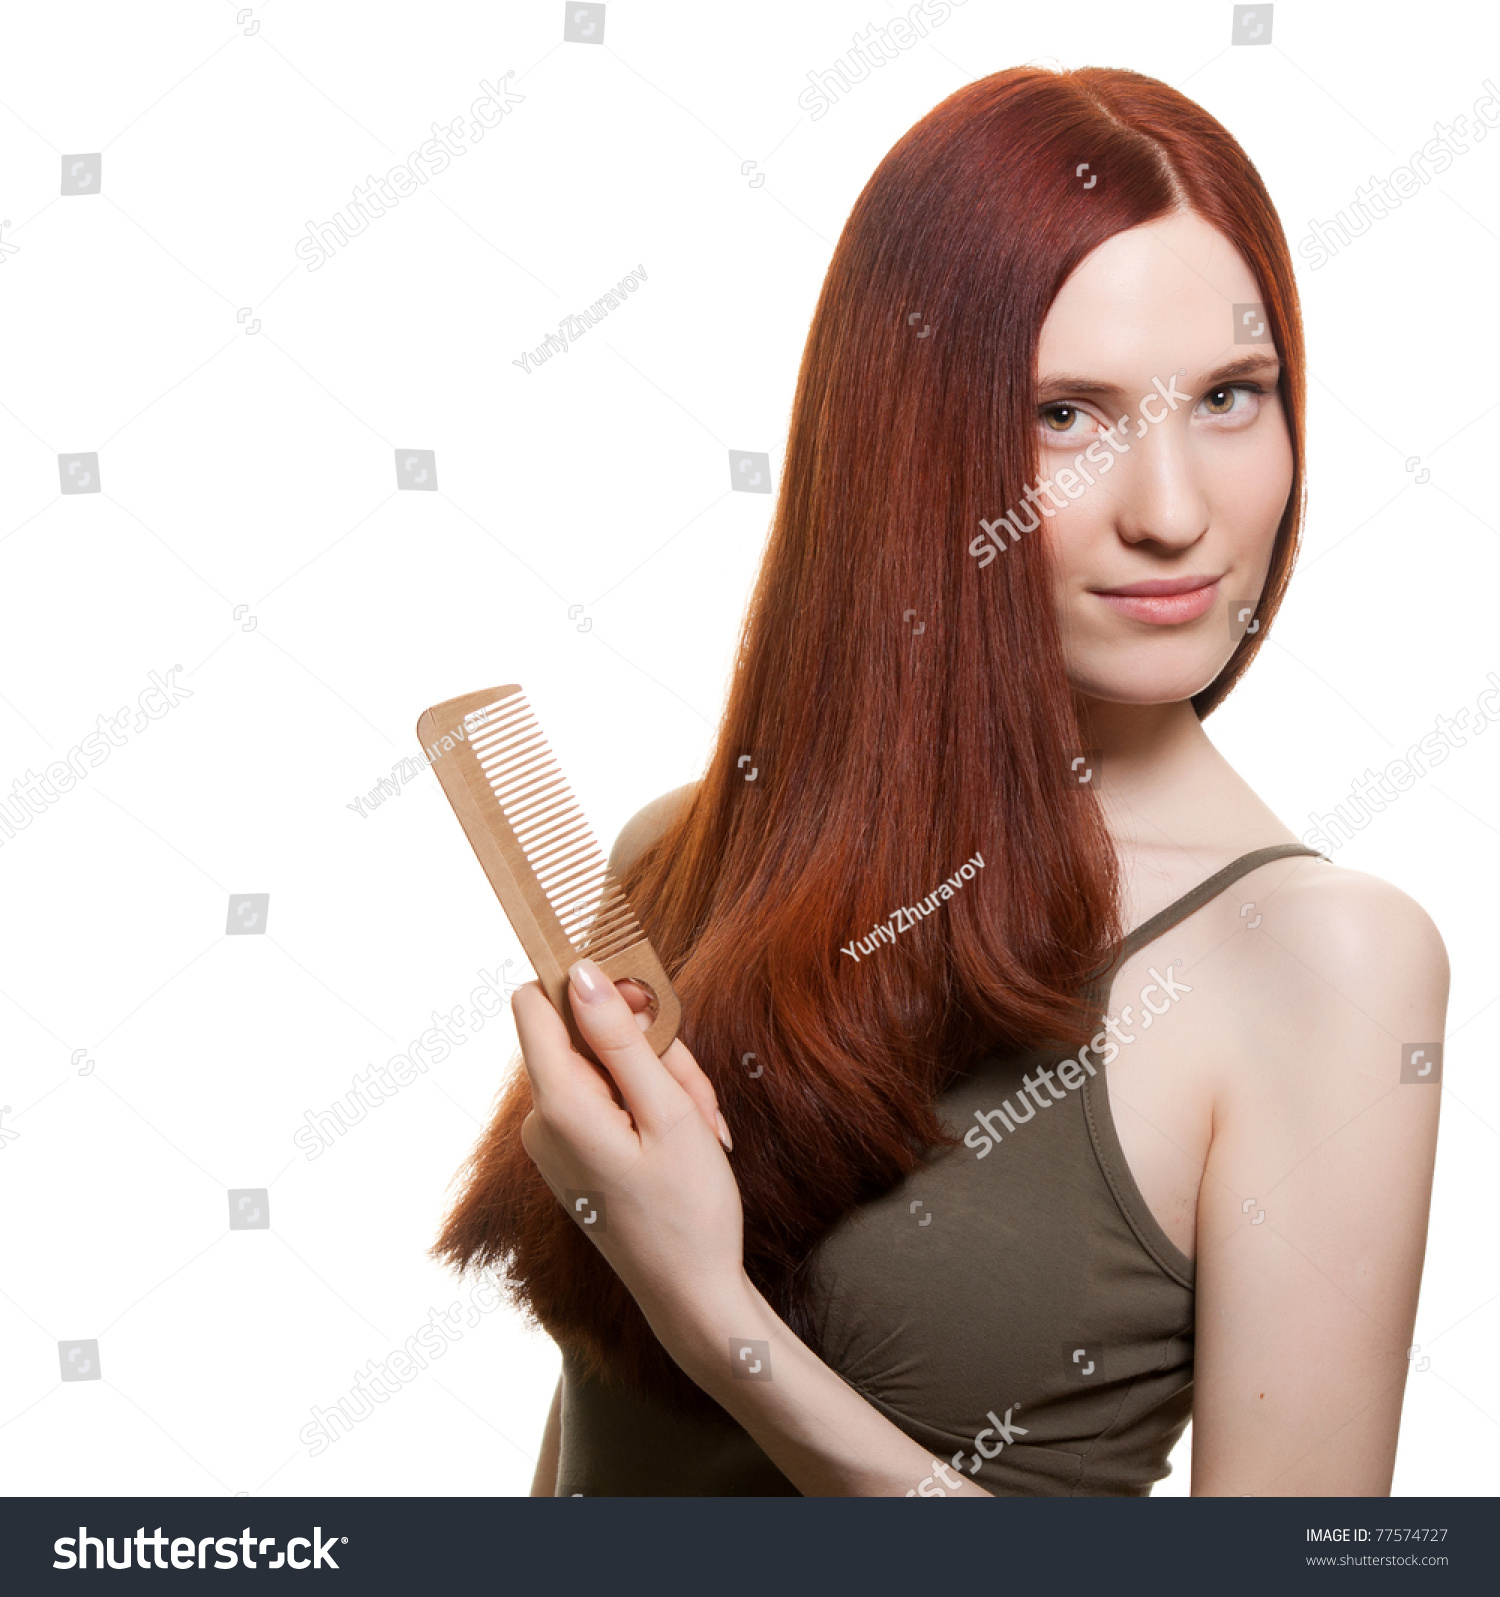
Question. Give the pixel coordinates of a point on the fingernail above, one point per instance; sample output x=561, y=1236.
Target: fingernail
x=723, y=1126
x=590, y=985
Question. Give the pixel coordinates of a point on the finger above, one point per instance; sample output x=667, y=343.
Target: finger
x=679, y=1062
x=635, y=996
x=639, y=1000
x=542, y=1035
x=688, y=1074
x=651, y=1093
x=556, y=1071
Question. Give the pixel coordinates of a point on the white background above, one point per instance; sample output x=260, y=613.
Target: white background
x=258, y=469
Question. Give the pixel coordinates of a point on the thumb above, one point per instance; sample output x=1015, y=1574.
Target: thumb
x=677, y=1060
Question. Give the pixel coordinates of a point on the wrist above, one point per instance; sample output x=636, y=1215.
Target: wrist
x=699, y=1334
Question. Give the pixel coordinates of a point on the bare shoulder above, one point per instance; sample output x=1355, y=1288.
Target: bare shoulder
x=1339, y=963
x=1313, y=1205
x=647, y=824
x=1355, y=930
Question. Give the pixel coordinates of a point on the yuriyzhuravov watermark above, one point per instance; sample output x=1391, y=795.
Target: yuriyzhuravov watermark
x=903, y=919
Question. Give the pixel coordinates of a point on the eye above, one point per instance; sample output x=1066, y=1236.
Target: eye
x=1222, y=401
x=1062, y=418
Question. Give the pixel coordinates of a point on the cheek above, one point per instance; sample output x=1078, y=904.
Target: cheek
x=1250, y=497
x=1074, y=538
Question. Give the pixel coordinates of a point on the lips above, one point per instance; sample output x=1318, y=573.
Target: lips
x=1163, y=601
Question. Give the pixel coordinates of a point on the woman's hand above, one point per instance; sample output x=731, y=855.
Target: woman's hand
x=652, y=1174
x=670, y=1224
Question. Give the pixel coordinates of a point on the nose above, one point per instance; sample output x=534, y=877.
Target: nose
x=1159, y=496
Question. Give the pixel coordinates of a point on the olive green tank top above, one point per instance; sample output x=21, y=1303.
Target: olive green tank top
x=1012, y=1304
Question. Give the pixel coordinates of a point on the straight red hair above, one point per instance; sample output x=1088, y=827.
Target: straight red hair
x=886, y=759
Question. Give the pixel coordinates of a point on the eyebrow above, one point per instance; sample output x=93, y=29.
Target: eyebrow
x=1058, y=385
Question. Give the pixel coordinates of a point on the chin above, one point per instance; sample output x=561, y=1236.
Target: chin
x=1158, y=681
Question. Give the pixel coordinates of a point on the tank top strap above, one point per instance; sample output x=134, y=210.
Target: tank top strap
x=1149, y=930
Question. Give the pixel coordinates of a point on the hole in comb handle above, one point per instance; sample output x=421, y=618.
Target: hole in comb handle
x=653, y=1003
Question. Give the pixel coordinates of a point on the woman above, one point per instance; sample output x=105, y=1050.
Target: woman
x=1010, y=1194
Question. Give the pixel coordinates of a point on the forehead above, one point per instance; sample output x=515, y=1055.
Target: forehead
x=1160, y=293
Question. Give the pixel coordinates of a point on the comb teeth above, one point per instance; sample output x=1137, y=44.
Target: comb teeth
x=538, y=806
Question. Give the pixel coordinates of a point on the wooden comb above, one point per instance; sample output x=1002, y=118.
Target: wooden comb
x=535, y=845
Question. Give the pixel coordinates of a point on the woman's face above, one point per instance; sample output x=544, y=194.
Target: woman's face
x=1178, y=526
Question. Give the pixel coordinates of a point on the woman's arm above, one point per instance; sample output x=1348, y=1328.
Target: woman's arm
x=544, y=1482
x=674, y=1235
x=1312, y=1216
x=817, y=1430
x=824, y=1437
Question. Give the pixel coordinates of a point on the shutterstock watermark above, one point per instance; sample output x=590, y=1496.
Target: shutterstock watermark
x=1073, y=1072
x=1325, y=239
x=382, y=194
x=903, y=919
x=186, y=1553
x=989, y=1442
x=32, y=795
x=869, y=50
x=1374, y=792
x=1074, y=480
x=376, y=1084
x=572, y=328
x=382, y=1379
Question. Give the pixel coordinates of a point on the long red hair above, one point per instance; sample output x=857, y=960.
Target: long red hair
x=886, y=757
